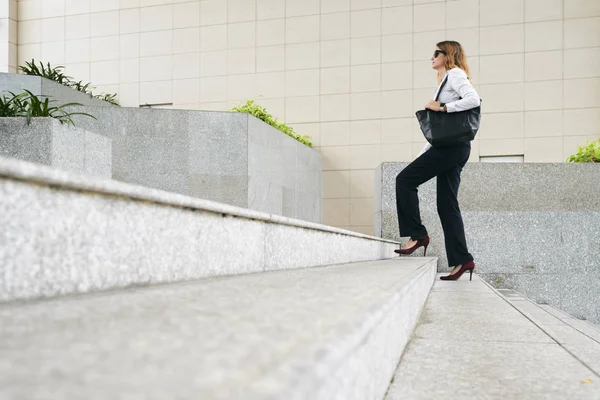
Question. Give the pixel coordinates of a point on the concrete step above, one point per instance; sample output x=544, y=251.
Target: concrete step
x=326, y=333
x=64, y=233
x=474, y=342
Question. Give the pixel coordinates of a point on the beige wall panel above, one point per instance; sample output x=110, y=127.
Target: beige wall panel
x=362, y=211
x=336, y=184
x=335, y=133
x=336, y=212
x=504, y=12
x=396, y=20
x=548, y=149
x=502, y=126
x=543, y=10
x=543, y=123
x=362, y=183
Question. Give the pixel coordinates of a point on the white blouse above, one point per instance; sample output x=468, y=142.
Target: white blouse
x=458, y=94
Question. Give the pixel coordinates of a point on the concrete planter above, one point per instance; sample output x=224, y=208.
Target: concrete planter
x=534, y=228
x=227, y=157
x=47, y=141
x=39, y=86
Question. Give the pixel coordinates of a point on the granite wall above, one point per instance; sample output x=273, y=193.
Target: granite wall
x=47, y=141
x=534, y=228
x=227, y=157
x=44, y=87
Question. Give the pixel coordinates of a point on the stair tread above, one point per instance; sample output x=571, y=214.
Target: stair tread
x=473, y=343
x=256, y=334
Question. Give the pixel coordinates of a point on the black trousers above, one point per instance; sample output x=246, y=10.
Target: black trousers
x=445, y=163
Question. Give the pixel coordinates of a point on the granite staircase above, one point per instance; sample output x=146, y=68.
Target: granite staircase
x=116, y=291
x=111, y=290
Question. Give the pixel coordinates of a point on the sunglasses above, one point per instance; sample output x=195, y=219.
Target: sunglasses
x=438, y=52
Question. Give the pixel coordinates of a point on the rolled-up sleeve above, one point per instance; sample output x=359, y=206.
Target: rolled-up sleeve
x=457, y=79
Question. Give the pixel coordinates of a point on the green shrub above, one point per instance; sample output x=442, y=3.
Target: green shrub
x=109, y=98
x=590, y=153
x=56, y=74
x=261, y=113
x=29, y=106
x=53, y=73
x=9, y=106
x=80, y=87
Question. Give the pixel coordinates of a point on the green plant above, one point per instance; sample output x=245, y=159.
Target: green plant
x=261, y=113
x=79, y=86
x=48, y=72
x=30, y=106
x=56, y=74
x=110, y=98
x=9, y=106
x=590, y=153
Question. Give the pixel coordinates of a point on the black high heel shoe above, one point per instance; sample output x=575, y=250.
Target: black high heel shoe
x=470, y=266
x=420, y=243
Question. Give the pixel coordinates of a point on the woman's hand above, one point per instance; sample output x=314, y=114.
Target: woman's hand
x=434, y=106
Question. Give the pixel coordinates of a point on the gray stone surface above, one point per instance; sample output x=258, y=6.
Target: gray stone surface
x=68, y=234
x=482, y=370
x=31, y=143
x=218, y=143
x=468, y=354
x=576, y=294
x=47, y=141
x=98, y=156
x=317, y=248
x=450, y=317
x=580, y=338
x=515, y=186
x=68, y=147
x=585, y=327
x=231, y=190
x=545, y=315
x=526, y=224
x=18, y=83
x=220, y=156
x=265, y=196
x=535, y=312
x=324, y=333
x=284, y=165
x=589, y=355
x=43, y=87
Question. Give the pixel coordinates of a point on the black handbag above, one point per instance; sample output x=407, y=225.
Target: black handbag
x=448, y=129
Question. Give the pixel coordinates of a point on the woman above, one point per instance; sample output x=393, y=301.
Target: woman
x=446, y=163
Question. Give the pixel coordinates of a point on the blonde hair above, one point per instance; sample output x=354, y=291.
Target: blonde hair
x=455, y=56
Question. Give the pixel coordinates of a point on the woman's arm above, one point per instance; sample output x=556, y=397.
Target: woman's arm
x=457, y=79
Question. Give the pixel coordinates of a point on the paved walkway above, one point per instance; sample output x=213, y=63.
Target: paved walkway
x=473, y=342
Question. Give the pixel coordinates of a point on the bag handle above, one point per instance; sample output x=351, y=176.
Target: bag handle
x=441, y=88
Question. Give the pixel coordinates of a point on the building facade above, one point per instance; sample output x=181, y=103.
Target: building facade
x=349, y=73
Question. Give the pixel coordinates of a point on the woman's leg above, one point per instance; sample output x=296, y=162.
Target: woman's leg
x=407, y=205
x=450, y=216
x=430, y=164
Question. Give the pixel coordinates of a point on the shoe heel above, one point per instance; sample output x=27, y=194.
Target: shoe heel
x=471, y=275
x=425, y=250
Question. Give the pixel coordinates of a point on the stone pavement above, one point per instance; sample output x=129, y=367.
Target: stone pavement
x=474, y=342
